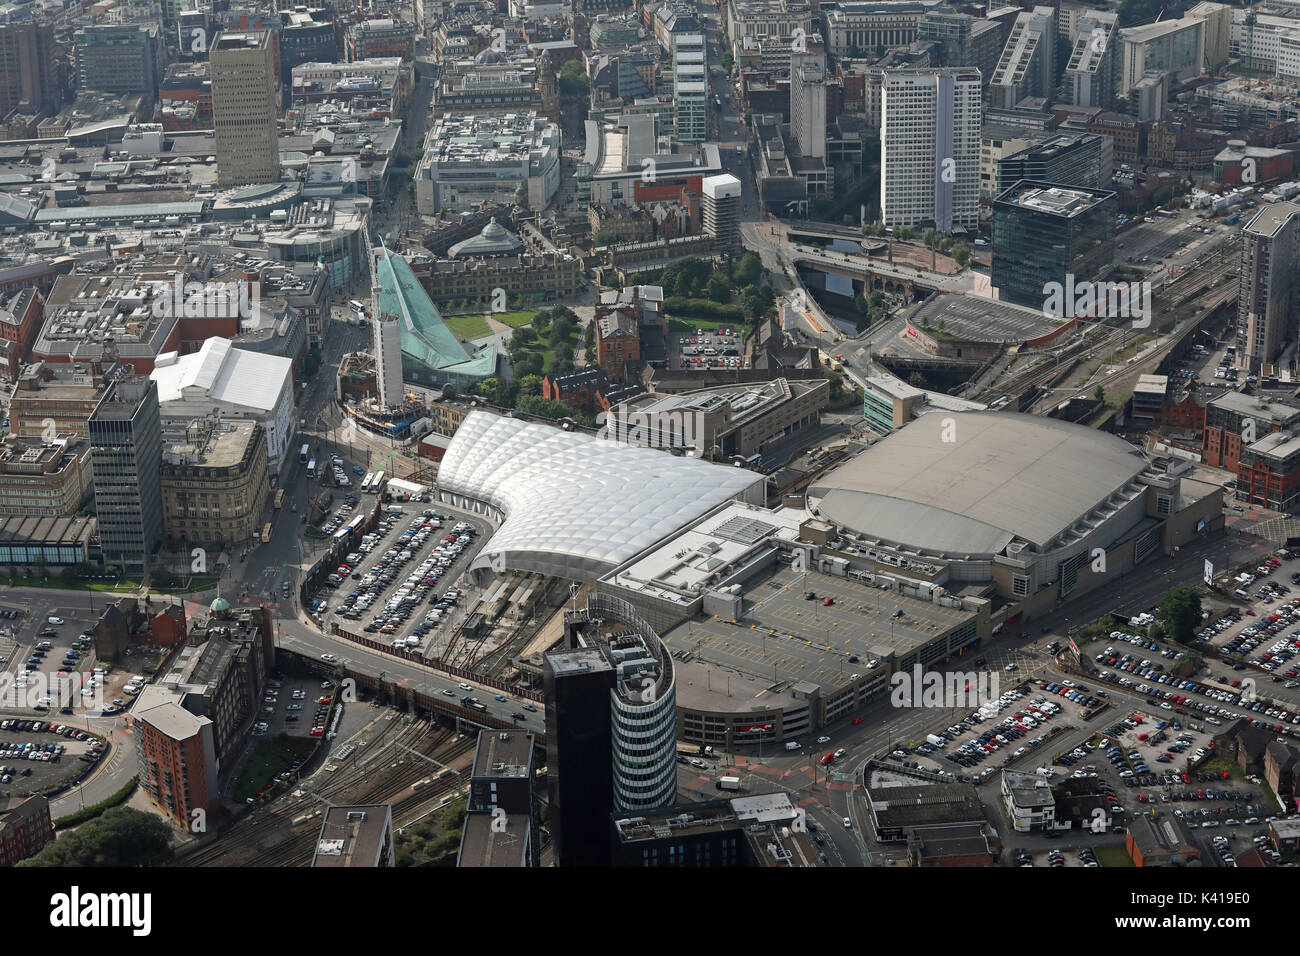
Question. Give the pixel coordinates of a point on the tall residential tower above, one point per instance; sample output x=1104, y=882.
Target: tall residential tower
x=930, y=148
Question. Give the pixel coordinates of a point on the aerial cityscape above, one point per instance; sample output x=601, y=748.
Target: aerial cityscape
x=650, y=433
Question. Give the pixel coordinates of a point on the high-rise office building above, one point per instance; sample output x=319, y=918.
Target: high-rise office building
x=118, y=58
x=930, y=148
x=244, y=107
x=126, y=460
x=1044, y=234
x=1090, y=73
x=29, y=74
x=611, y=728
x=808, y=103
x=1027, y=66
x=1267, y=300
x=691, y=88
x=952, y=31
x=501, y=812
x=721, y=210
x=1070, y=159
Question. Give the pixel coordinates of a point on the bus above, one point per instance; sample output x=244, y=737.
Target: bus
x=311, y=468
x=305, y=455
x=357, y=306
x=367, y=481
x=266, y=532
x=377, y=486
x=279, y=499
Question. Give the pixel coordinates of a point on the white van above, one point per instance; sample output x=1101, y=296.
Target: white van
x=792, y=745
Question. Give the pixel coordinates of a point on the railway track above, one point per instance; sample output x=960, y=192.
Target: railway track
x=271, y=837
x=1206, y=287
x=297, y=849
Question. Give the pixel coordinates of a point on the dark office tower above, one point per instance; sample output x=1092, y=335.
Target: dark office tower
x=1048, y=237
x=611, y=728
x=579, y=757
x=29, y=74
x=118, y=58
x=126, y=454
x=952, y=31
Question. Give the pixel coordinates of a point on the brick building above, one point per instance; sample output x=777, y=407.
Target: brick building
x=580, y=389
x=25, y=827
x=1163, y=842
x=129, y=620
x=1282, y=766
x=20, y=319
x=1244, y=743
x=177, y=758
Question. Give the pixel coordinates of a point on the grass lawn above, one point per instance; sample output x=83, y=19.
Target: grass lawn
x=57, y=583
x=516, y=319
x=548, y=354
x=472, y=326
x=1113, y=856
x=711, y=325
x=268, y=759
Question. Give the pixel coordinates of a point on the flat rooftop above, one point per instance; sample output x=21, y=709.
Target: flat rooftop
x=979, y=319
x=486, y=845
x=1271, y=218
x=1064, y=201
x=352, y=836
x=783, y=639
x=503, y=754
x=683, y=567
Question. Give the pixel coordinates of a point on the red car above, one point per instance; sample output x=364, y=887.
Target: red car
x=316, y=731
x=323, y=700
x=828, y=760
x=828, y=602
x=856, y=721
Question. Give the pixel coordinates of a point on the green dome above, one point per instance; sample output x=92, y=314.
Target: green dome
x=220, y=604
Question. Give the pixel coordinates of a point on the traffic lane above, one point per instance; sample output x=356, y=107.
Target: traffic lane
x=313, y=644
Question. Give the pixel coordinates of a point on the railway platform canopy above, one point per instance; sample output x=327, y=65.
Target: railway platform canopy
x=574, y=505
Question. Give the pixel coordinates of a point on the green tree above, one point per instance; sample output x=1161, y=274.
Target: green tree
x=492, y=391
x=573, y=80
x=528, y=363
x=747, y=270
x=930, y=238
x=119, y=837
x=718, y=289
x=916, y=380
x=960, y=253
x=452, y=817
x=903, y=233
x=1180, y=609
x=751, y=301
x=530, y=385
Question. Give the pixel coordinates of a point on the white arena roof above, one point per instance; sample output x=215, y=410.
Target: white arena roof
x=969, y=483
x=573, y=505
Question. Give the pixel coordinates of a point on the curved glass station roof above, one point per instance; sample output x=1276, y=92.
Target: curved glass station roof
x=573, y=505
